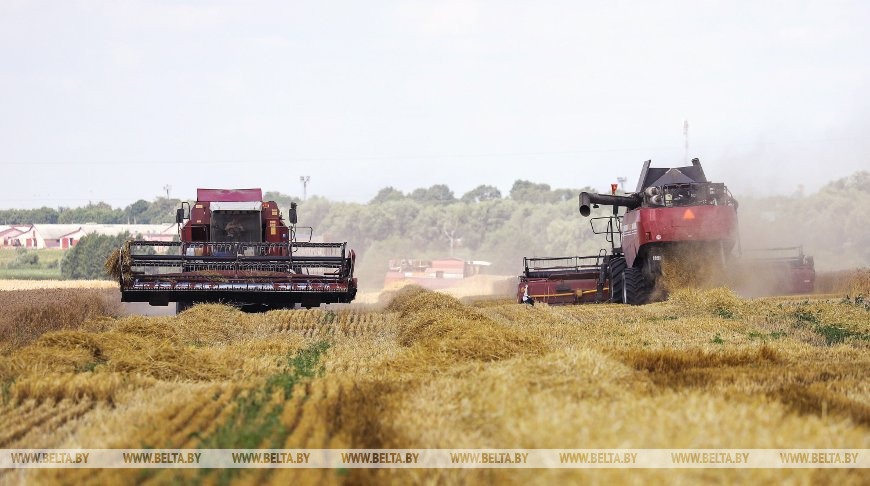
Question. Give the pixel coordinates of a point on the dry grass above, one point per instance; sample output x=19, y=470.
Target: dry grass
x=704, y=369
x=859, y=283
x=113, y=266
x=440, y=331
x=475, y=287
x=28, y=314
x=853, y=282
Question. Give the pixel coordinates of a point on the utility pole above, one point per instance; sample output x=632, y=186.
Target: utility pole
x=304, y=180
x=451, y=238
x=622, y=180
x=167, y=188
x=449, y=228
x=686, y=136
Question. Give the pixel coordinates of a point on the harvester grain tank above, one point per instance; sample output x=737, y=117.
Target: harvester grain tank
x=236, y=248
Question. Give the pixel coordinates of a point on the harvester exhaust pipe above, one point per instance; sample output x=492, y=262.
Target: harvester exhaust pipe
x=590, y=200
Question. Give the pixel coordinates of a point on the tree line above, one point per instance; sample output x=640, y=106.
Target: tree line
x=530, y=220
x=161, y=210
x=537, y=220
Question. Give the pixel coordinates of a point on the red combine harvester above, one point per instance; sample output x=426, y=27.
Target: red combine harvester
x=784, y=270
x=674, y=213
x=236, y=248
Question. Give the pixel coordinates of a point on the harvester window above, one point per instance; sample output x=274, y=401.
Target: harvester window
x=244, y=226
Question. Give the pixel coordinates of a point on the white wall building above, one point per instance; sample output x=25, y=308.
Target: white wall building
x=63, y=236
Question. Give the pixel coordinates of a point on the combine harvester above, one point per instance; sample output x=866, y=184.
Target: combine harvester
x=676, y=215
x=237, y=249
x=786, y=270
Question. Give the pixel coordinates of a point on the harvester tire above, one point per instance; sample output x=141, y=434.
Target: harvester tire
x=634, y=290
x=615, y=269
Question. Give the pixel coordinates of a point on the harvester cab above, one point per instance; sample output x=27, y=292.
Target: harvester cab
x=236, y=248
x=676, y=217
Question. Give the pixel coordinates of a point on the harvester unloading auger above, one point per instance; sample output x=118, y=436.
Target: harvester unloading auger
x=237, y=249
x=675, y=213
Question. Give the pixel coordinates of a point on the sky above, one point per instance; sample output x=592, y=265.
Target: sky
x=112, y=101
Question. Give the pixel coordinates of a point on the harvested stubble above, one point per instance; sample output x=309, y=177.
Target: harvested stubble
x=441, y=331
x=429, y=371
x=486, y=287
x=721, y=301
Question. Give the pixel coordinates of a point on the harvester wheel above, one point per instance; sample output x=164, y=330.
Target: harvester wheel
x=634, y=290
x=615, y=269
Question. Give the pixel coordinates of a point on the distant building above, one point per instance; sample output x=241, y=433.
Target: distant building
x=8, y=234
x=63, y=236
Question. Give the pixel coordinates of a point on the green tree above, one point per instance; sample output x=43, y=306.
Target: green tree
x=135, y=210
x=92, y=213
x=161, y=210
x=481, y=193
x=85, y=260
x=436, y=194
x=527, y=191
x=282, y=200
x=43, y=215
x=388, y=193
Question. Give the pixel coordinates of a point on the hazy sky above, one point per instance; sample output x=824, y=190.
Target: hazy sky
x=113, y=100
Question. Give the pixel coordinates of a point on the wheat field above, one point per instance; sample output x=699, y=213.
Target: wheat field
x=705, y=369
